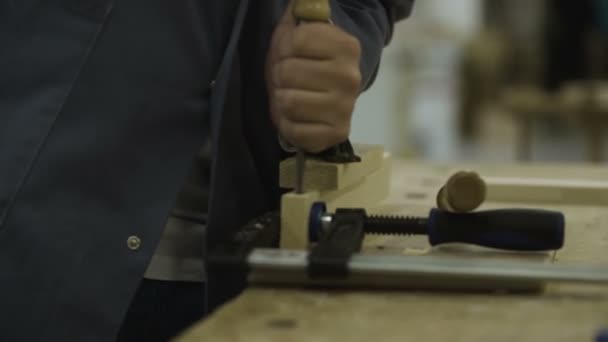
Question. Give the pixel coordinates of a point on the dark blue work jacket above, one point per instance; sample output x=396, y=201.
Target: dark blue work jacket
x=103, y=106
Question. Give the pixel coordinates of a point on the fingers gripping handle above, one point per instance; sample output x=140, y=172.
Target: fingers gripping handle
x=513, y=229
x=320, y=11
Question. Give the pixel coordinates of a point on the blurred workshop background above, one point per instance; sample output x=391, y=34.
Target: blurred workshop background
x=493, y=80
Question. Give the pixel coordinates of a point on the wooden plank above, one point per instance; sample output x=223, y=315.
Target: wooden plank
x=323, y=176
x=567, y=191
x=583, y=184
x=269, y=315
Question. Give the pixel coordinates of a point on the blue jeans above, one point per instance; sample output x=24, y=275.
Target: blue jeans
x=161, y=310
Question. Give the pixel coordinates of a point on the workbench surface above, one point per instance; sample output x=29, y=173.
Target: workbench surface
x=561, y=313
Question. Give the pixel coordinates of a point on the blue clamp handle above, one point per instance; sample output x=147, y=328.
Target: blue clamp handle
x=514, y=229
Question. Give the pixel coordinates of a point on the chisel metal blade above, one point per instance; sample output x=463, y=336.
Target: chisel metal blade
x=300, y=169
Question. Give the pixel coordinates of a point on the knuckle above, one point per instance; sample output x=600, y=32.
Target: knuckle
x=353, y=79
x=317, y=144
x=316, y=147
x=352, y=45
x=346, y=107
x=329, y=138
x=277, y=75
x=301, y=40
x=288, y=130
x=288, y=101
x=281, y=73
x=341, y=134
x=310, y=143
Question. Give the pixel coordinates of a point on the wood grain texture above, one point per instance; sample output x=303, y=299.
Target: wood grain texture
x=561, y=313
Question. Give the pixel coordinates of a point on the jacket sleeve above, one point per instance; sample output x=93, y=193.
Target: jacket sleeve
x=371, y=21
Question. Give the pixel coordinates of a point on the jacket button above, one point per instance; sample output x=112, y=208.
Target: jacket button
x=133, y=242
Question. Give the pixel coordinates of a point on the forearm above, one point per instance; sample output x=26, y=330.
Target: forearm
x=371, y=21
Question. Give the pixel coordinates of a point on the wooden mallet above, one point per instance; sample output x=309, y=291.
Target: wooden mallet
x=464, y=191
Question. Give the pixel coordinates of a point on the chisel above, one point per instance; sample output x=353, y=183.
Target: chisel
x=308, y=11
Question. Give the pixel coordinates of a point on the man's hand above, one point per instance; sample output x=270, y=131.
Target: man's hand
x=313, y=80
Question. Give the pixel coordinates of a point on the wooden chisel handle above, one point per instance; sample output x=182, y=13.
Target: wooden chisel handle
x=312, y=10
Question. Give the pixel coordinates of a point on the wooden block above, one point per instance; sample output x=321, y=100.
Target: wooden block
x=294, y=219
x=563, y=191
x=366, y=193
x=323, y=176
